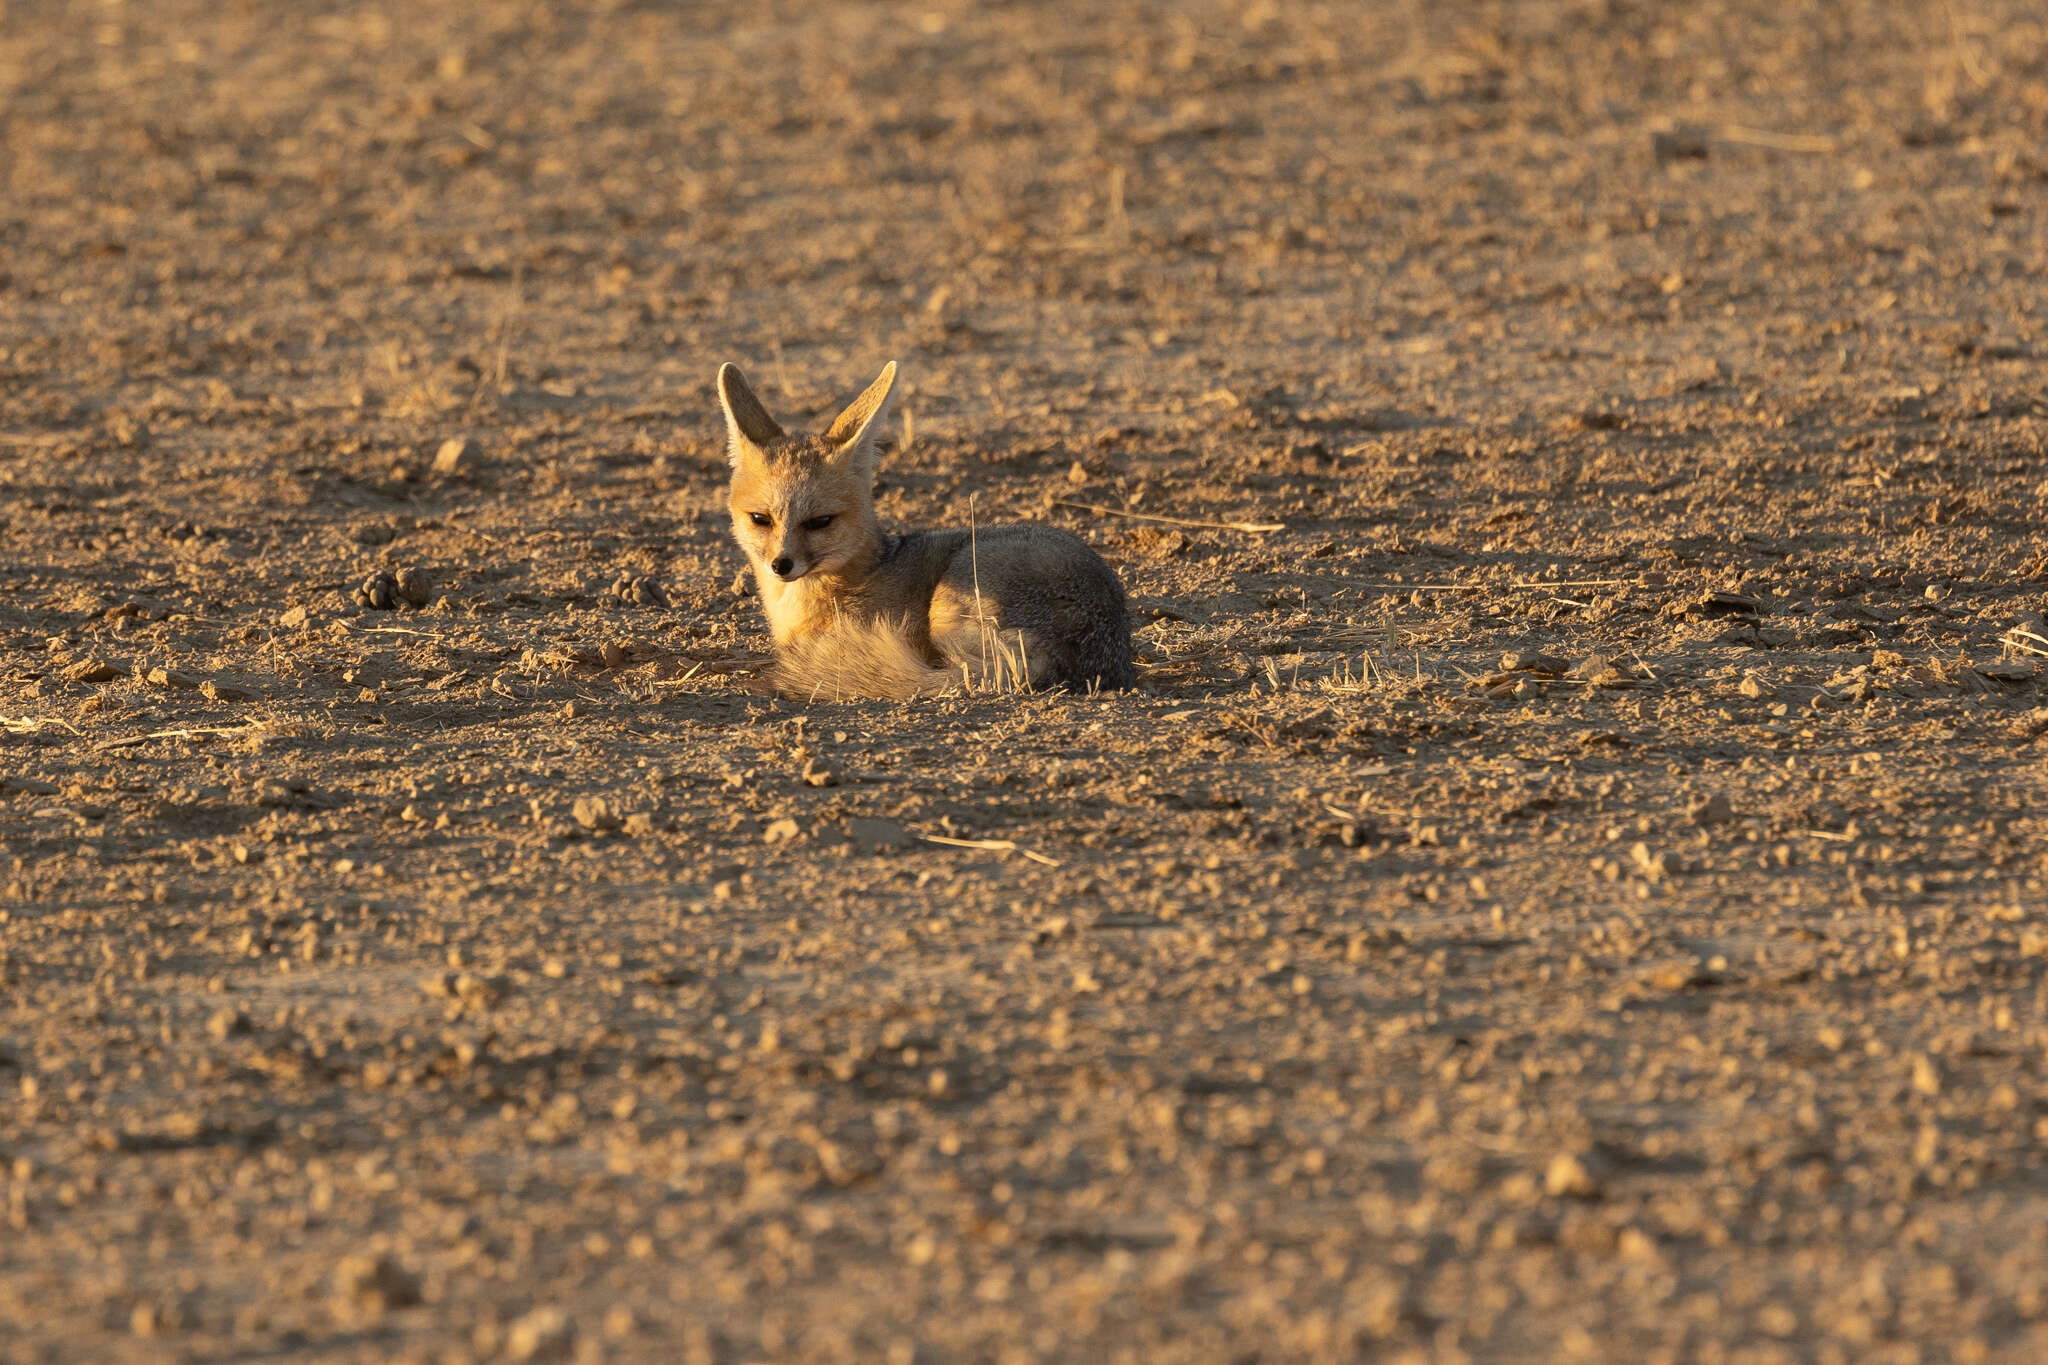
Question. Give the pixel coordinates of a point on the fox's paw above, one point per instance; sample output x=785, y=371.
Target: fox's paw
x=631, y=590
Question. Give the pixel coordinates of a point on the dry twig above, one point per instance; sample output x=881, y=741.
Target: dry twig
x=1254, y=527
x=992, y=845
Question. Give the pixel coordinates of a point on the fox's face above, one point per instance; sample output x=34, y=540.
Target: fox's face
x=797, y=511
x=802, y=505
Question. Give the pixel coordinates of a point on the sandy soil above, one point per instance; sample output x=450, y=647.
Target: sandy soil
x=1574, y=893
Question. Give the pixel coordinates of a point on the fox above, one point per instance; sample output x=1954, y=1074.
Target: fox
x=857, y=612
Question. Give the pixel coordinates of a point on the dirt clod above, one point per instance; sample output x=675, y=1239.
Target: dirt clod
x=414, y=586
x=89, y=671
x=1716, y=809
x=594, y=813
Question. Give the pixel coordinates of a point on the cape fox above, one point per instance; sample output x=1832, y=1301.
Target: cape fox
x=858, y=613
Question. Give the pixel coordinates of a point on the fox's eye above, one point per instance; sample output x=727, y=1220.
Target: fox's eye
x=818, y=523
x=761, y=518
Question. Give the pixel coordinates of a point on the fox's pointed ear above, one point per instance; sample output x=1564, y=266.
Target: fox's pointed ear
x=748, y=427
x=852, y=434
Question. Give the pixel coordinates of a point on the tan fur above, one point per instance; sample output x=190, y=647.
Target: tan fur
x=846, y=659
x=856, y=613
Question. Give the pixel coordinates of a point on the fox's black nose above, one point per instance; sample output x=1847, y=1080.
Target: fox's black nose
x=782, y=566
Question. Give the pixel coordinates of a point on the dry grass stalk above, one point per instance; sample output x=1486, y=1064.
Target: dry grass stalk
x=190, y=732
x=1260, y=528
x=992, y=845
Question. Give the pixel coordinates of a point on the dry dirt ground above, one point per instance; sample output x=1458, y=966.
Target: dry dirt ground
x=503, y=975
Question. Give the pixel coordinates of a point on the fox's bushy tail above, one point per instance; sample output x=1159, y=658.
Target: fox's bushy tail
x=849, y=659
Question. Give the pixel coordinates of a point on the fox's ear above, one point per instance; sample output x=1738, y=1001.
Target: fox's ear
x=748, y=427
x=852, y=434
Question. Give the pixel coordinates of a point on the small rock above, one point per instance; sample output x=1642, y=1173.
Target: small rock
x=639, y=824
x=782, y=831
x=594, y=813
x=35, y=786
x=171, y=677
x=227, y=1021
x=1571, y=1176
x=820, y=776
x=545, y=1334
x=1753, y=687
x=1712, y=810
x=90, y=671
x=294, y=617
x=1532, y=661
x=455, y=456
x=1077, y=473
x=1926, y=1079
x=612, y=654
x=213, y=690
x=415, y=586
x=742, y=584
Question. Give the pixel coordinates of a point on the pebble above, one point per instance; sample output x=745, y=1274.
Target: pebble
x=545, y=1334
x=226, y=1022
x=294, y=617
x=1532, y=661
x=214, y=690
x=171, y=677
x=1569, y=1176
x=455, y=456
x=782, y=831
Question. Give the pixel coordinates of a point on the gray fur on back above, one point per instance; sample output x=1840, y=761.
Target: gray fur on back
x=1048, y=583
